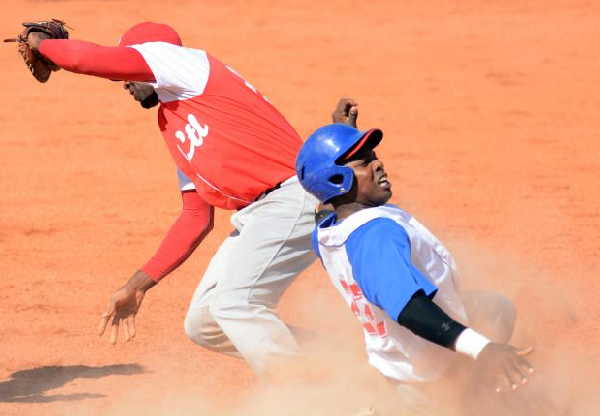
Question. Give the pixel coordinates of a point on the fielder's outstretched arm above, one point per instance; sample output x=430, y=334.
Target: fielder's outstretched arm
x=110, y=62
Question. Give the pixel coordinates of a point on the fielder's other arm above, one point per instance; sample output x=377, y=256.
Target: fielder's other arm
x=192, y=226
x=124, y=305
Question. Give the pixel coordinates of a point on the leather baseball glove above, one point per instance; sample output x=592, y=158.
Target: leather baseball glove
x=28, y=41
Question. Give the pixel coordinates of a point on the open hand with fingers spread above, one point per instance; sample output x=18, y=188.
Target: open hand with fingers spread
x=346, y=112
x=505, y=366
x=124, y=305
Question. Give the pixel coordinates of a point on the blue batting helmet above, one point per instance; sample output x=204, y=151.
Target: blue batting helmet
x=319, y=164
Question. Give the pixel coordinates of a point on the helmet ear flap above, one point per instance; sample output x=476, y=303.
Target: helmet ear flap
x=336, y=179
x=327, y=183
x=339, y=181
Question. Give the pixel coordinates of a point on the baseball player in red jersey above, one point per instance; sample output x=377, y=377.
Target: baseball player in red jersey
x=233, y=150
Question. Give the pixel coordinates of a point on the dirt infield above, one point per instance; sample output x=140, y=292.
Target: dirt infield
x=491, y=125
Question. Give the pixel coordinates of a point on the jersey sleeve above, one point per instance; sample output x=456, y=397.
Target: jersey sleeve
x=185, y=184
x=190, y=228
x=380, y=255
x=111, y=62
x=180, y=73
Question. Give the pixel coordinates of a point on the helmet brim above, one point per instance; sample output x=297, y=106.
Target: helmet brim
x=369, y=139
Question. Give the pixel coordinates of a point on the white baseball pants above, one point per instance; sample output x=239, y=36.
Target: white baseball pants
x=233, y=308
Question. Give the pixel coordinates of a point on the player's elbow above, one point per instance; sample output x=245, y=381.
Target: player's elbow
x=210, y=225
x=81, y=59
x=202, y=227
x=203, y=232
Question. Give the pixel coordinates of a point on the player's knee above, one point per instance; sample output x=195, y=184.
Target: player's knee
x=224, y=307
x=201, y=328
x=191, y=325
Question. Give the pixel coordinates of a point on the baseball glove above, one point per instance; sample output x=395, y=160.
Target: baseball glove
x=40, y=66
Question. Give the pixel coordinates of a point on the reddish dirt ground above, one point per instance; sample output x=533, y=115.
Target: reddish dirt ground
x=491, y=124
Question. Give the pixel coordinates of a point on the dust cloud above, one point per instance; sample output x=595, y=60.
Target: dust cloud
x=332, y=376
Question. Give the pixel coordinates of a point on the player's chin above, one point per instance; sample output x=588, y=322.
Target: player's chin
x=387, y=196
x=382, y=196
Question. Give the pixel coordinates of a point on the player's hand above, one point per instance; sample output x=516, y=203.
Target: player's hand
x=35, y=38
x=124, y=305
x=345, y=112
x=505, y=366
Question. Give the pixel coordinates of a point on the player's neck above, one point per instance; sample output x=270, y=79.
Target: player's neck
x=345, y=210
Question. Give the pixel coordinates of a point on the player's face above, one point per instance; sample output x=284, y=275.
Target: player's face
x=372, y=185
x=143, y=93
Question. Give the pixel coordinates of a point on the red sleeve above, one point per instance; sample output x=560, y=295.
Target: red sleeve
x=193, y=224
x=112, y=62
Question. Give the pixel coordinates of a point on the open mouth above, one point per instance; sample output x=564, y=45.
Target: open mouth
x=384, y=183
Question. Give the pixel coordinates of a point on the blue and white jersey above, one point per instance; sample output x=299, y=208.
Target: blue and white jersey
x=378, y=258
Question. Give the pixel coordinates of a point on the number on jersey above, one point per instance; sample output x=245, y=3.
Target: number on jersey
x=363, y=310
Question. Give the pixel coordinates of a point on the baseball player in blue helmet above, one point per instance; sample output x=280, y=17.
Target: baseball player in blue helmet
x=398, y=278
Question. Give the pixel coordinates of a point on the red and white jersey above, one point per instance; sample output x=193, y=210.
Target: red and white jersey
x=222, y=133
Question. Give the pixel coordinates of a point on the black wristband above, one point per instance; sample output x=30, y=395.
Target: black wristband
x=427, y=320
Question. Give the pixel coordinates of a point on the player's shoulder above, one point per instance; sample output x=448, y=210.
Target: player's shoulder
x=165, y=46
x=380, y=228
x=376, y=219
x=379, y=238
x=181, y=73
x=370, y=221
x=164, y=51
